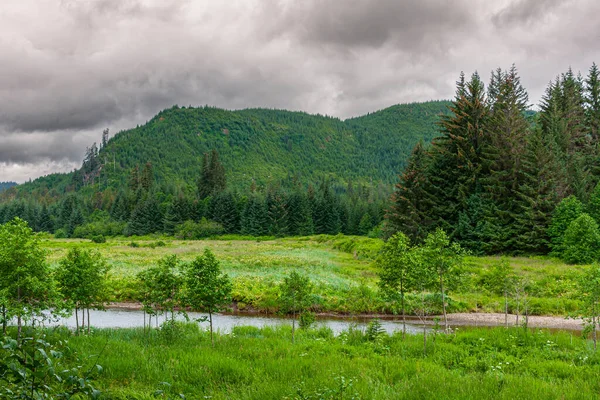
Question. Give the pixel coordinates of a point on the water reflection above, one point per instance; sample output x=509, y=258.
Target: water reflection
x=124, y=318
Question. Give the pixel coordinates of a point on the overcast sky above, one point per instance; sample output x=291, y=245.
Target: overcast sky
x=70, y=68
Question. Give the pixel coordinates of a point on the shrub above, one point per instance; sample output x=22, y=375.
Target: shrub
x=306, y=320
x=98, y=239
x=569, y=209
x=198, y=230
x=581, y=242
x=61, y=234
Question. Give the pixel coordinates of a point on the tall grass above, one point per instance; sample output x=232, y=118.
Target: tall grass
x=341, y=268
x=253, y=363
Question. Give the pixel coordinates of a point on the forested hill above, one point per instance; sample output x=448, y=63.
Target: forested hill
x=6, y=185
x=262, y=145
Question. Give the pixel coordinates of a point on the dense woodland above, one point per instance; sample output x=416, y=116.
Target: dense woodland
x=6, y=185
x=256, y=172
x=500, y=179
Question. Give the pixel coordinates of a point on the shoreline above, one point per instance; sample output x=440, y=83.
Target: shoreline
x=454, y=319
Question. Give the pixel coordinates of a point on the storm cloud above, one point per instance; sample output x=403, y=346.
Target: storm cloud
x=71, y=68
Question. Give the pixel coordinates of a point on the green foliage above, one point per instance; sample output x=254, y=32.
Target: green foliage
x=581, y=242
x=374, y=331
x=499, y=279
x=205, y=287
x=161, y=286
x=212, y=178
x=295, y=296
x=81, y=279
x=37, y=369
x=306, y=320
x=198, y=230
x=98, y=239
x=396, y=264
x=568, y=210
x=26, y=285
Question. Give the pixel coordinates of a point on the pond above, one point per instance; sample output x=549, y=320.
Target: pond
x=126, y=318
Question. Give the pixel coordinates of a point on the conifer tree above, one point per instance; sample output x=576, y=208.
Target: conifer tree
x=224, y=210
x=503, y=152
x=147, y=177
x=45, y=221
x=537, y=196
x=212, y=178
x=456, y=164
x=254, y=216
x=299, y=214
x=409, y=212
x=277, y=212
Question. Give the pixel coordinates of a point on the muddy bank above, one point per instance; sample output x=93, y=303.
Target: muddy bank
x=498, y=319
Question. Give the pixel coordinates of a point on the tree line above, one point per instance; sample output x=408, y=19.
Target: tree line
x=494, y=178
x=208, y=209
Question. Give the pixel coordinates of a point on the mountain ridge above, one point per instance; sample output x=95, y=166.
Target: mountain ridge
x=260, y=145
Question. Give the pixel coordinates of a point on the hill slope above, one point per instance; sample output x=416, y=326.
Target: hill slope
x=263, y=145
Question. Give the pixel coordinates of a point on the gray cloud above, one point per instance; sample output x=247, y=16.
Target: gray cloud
x=71, y=68
x=357, y=24
x=526, y=12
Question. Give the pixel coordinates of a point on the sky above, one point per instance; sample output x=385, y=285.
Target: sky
x=71, y=68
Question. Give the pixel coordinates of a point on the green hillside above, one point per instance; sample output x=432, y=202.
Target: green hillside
x=6, y=185
x=262, y=145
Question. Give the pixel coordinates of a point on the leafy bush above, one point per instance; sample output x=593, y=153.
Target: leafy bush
x=34, y=369
x=99, y=228
x=99, y=239
x=198, y=230
x=61, y=234
x=581, y=242
x=569, y=209
x=306, y=320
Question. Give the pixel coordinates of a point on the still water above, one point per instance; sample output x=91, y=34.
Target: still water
x=124, y=318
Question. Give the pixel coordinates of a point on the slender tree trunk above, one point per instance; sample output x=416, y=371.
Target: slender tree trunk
x=88, y=319
x=424, y=329
x=518, y=309
x=505, y=309
x=424, y=341
x=212, y=340
x=293, y=326
x=144, y=311
x=4, y=322
x=403, y=311
x=444, y=303
x=83, y=320
x=19, y=316
x=76, y=321
x=594, y=328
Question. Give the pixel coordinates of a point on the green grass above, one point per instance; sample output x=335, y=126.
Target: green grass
x=341, y=268
x=254, y=363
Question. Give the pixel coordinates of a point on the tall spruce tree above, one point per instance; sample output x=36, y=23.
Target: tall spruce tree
x=410, y=202
x=254, y=216
x=503, y=153
x=456, y=165
x=212, y=178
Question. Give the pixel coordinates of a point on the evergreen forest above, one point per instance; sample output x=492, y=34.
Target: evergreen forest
x=200, y=172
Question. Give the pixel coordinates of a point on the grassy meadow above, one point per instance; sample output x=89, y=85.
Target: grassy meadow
x=253, y=363
x=341, y=268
